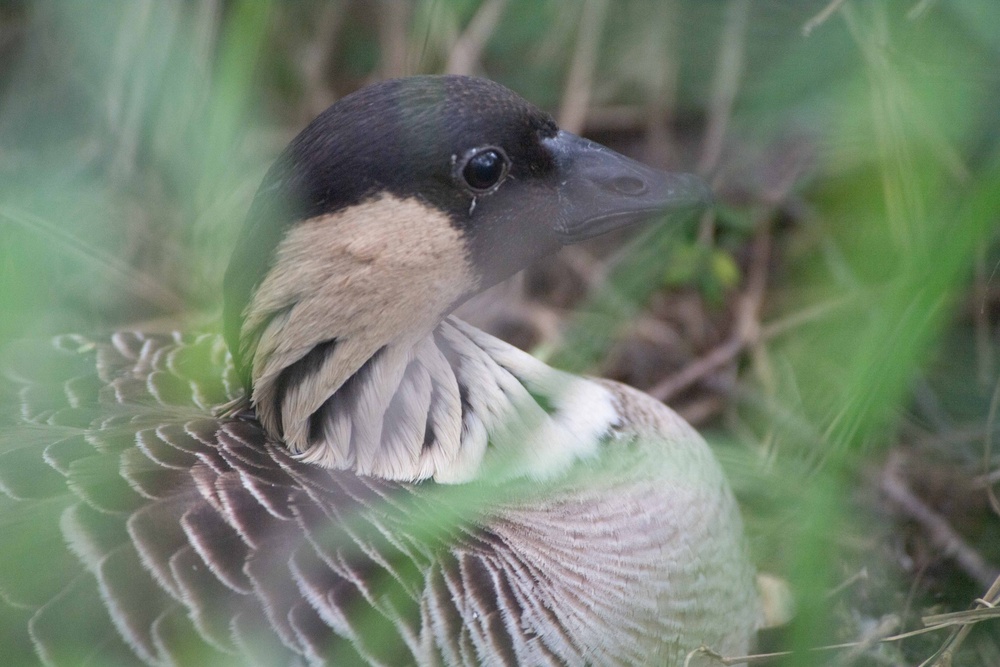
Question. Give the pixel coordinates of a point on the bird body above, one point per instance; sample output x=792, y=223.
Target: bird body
x=385, y=484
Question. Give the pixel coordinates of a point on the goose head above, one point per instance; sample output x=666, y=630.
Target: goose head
x=389, y=210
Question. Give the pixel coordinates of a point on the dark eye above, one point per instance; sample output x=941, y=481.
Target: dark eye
x=485, y=169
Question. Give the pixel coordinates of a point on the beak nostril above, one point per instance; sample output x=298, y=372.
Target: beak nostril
x=628, y=185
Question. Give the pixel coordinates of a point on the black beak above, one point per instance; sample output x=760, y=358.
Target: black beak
x=601, y=190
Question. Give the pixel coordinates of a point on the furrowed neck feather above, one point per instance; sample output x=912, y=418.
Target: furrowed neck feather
x=359, y=372
x=345, y=282
x=452, y=406
x=353, y=368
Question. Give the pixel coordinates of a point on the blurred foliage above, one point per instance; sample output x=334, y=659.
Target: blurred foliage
x=866, y=155
x=712, y=270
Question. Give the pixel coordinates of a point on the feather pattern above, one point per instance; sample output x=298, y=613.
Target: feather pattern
x=142, y=527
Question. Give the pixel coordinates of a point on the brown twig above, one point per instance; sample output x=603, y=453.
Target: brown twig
x=702, y=410
x=750, y=304
x=579, y=82
x=970, y=618
x=748, y=331
x=674, y=384
x=617, y=118
x=988, y=447
x=725, y=82
x=465, y=54
x=965, y=620
x=393, y=23
x=663, y=80
x=938, y=530
x=859, y=576
x=821, y=18
x=732, y=347
x=316, y=57
x=981, y=322
x=886, y=627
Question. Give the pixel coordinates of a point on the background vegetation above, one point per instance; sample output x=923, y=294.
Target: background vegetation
x=831, y=326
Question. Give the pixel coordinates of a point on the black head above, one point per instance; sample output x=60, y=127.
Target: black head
x=513, y=184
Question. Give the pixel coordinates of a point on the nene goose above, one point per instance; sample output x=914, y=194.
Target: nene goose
x=382, y=484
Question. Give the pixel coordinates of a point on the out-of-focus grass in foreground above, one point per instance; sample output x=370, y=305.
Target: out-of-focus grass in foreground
x=858, y=176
